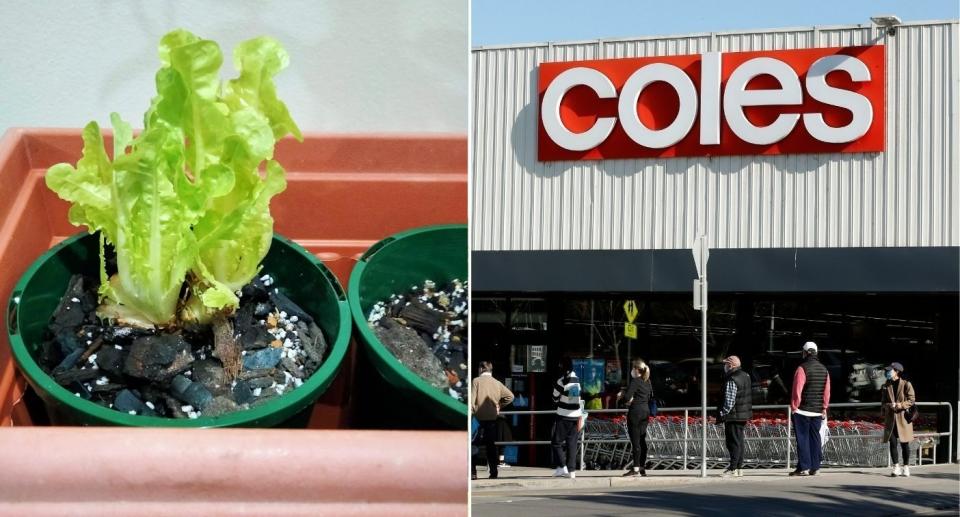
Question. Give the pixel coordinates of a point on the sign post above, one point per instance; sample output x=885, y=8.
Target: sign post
x=701, y=253
x=630, y=329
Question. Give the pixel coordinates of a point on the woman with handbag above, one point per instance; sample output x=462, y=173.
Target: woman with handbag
x=897, y=404
x=639, y=399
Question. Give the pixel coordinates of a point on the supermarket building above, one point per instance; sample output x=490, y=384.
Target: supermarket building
x=829, y=202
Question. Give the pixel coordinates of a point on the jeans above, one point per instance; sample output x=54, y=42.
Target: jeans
x=809, y=450
x=905, y=446
x=733, y=433
x=565, y=434
x=488, y=432
x=637, y=428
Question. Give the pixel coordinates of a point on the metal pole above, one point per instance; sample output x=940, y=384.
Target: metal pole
x=583, y=436
x=686, y=418
x=789, y=427
x=703, y=376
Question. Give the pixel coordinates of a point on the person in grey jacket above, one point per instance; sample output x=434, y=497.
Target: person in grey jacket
x=638, y=395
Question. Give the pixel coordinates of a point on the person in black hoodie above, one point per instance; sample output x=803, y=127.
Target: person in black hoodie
x=638, y=396
x=736, y=408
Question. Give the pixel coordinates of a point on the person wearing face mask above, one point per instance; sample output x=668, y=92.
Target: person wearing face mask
x=896, y=397
x=736, y=408
x=638, y=395
x=809, y=400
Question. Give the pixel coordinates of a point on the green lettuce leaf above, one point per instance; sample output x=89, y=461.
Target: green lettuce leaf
x=186, y=199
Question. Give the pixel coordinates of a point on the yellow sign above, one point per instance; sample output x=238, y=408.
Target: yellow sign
x=630, y=309
x=630, y=330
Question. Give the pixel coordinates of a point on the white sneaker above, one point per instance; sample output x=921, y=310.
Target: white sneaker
x=738, y=473
x=572, y=475
x=897, y=471
x=559, y=473
x=906, y=471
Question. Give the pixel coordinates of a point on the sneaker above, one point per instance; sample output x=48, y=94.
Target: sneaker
x=728, y=473
x=643, y=472
x=560, y=472
x=897, y=471
x=504, y=465
x=493, y=475
x=813, y=472
x=572, y=475
x=738, y=473
x=799, y=472
x=906, y=471
x=631, y=473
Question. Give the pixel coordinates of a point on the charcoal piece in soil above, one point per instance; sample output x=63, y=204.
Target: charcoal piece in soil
x=210, y=373
x=67, y=377
x=255, y=291
x=127, y=401
x=107, y=388
x=263, y=358
x=266, y=395
x=420, y=317
x=243, y=319
x=405, y=344
x=286, y=305
x=253, y=338
x=261, y=382
x=80, y=389
x=68, y=341
x=111, y=360
x=69, y=314
x=315, y=345
x=292, y=367
x=69, y=361
x=220, y=405
x=192, y=393
x=243, y=393
x=158, y=358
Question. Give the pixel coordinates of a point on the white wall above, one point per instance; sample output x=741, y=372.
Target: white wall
x=355, y=65
x=908, y=195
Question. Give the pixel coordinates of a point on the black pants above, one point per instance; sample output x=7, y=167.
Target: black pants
x=637, y=427
x=488, y=436
x=905, y=446
x=733, y=432
x=565, y=434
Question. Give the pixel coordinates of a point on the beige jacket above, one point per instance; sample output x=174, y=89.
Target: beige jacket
x=906, y=397
x=488, y=395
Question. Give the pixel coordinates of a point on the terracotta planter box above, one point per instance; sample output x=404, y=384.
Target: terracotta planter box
x=345, y=192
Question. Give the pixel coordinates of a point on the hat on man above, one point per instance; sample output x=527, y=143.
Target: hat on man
x=732, y=361
x=810, y=346
x=895, y=366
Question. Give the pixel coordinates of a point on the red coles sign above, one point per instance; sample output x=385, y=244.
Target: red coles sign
x=821, y=100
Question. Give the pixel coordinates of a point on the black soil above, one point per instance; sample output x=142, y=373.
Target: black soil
x=269, y=346
x=426, y=330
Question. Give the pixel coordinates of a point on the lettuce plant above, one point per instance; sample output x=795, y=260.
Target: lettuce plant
x=185, y=200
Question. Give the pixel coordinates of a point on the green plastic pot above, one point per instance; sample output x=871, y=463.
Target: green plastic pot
x=391, y=266
x=300, y=274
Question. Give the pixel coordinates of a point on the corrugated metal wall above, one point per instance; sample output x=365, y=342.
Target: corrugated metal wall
x=905, y=196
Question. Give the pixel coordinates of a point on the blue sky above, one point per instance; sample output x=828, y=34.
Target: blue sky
x=498, y=22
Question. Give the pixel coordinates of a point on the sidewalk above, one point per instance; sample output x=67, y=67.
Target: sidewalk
x=529, y=478
x=867, y=492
